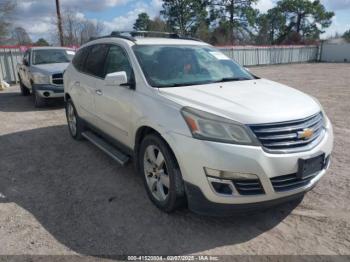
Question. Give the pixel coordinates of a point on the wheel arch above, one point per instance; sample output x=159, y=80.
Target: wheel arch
x=142, y=132
x=67, y=96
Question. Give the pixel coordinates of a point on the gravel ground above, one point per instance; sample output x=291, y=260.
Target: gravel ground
x=59, y=196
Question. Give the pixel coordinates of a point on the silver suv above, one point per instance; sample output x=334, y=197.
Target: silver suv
x=41, y=72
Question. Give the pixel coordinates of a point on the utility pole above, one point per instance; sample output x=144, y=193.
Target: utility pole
x=59, y=21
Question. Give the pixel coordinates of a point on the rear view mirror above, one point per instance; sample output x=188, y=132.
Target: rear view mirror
x=116, y=79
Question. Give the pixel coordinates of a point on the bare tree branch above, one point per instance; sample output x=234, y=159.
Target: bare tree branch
x=6, y=9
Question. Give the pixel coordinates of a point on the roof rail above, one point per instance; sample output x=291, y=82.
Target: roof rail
x=113, y=34
x=153, y=34
x=121, y=34
x=130, y=35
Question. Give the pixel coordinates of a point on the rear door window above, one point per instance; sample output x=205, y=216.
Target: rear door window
x=79, y=58
x=94, y=64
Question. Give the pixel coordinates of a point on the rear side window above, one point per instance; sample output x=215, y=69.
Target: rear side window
x=94, y=64
x=79, y=58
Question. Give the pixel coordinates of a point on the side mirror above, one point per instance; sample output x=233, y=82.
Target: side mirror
x=25, y=62
x=116, y=79
x=120, y=79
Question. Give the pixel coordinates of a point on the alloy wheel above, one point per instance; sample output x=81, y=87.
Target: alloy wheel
x=155, y=170
x=72, y=120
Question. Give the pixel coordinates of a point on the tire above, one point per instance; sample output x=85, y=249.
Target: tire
x=162, y=178
x=75, y=124
x=24, y=90
x=39, y=102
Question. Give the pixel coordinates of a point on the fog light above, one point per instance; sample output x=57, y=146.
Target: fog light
x=222, y=188
x=229, y=175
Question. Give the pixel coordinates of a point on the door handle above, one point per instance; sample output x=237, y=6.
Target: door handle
x=99, y=92
x=77, y=83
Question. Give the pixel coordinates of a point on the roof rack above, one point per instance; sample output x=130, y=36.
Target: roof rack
x=130, y=35
x=113, y=34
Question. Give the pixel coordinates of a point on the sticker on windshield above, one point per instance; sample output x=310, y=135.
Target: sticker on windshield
x=219, y=56
x=70, y=52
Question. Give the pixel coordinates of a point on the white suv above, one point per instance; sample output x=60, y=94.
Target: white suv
x=201, y=129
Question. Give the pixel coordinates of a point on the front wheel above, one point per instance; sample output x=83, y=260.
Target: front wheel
x=75, y=124
x=161, y=174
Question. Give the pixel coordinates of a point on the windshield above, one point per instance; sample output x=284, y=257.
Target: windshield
x=169, y=66
x=51, y=56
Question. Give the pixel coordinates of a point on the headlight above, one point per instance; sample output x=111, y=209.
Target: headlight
x=324, y=115
x=40, y=78
x=207, y=126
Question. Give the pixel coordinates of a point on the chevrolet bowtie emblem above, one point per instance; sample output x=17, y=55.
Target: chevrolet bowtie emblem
x=306, y=133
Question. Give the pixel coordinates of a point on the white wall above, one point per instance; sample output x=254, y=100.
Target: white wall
x=335, y=52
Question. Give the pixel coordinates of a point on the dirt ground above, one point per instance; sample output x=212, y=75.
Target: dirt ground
x=59, y=196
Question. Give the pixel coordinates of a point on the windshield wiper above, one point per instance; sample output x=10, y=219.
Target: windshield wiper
x=226, y=79
x=50, y=62
x=183, y=84
x=229, y=79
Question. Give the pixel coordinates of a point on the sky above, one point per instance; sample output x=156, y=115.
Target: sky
x=36, y=16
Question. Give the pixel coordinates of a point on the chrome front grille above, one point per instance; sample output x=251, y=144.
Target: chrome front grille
x=290, y=182
x=291, y=136
x=57, y=79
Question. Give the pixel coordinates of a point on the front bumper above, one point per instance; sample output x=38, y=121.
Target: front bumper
x=193, y=155
x=49, y=91
x=199, y=204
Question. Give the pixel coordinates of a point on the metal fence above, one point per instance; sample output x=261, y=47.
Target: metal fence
x=246, y=56
x=270, y=55
x=335, y=52
x=9, y=57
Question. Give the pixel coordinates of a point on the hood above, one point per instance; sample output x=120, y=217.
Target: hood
x=248, y=102
x=50, y=68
